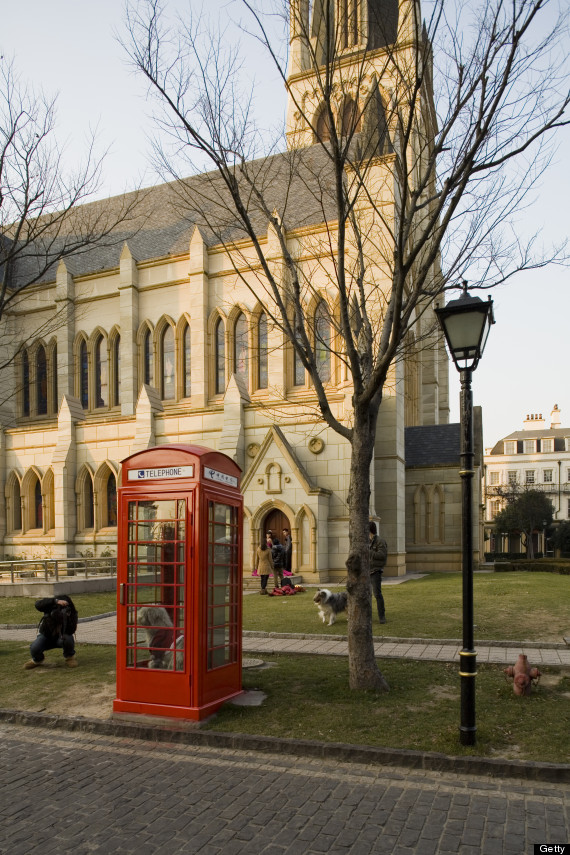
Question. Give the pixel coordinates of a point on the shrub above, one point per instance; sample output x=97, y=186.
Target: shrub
x=548, y=565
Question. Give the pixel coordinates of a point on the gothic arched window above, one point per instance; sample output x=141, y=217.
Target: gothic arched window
x=83, y=375
x=148, y=359
x=25, y=384
x=88, y=503
x=350, y=120
x=53, y=382
x=16, y=506
x=323, y=128
x=38, y=520
x=167, y=356
x=101, y=373
x=220, y=357
x=116, y=364
x=348, y=14
x=241, y=349
x=323, y=342
x=262, y=353
x=41, y=381
x=187, y=361
x=111, y=500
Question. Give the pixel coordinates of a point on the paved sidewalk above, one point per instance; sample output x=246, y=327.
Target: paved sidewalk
x=94, y=794
x=104, y=631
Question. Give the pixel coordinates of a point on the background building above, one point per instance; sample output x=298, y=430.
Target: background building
x=536, y=457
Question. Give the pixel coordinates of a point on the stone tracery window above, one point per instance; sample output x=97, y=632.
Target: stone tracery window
x=262, y=353
x=350, y=118
x=83, y=375
x=148, y=358
x=220, y=357
x=323, y=127
x=167, y=356
x=14, y=505
x=41, y=381
x=116, y=368
x=111, y=497
x=241, y=349
x=349, y=23
x=323, y=342
x=187, y=361
x=88, y=502
x=25, y=384
x=38, y=516
x=101, y=373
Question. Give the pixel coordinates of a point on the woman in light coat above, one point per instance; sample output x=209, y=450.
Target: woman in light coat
x=264, y=566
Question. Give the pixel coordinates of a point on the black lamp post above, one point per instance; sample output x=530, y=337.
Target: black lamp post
x=466, y=323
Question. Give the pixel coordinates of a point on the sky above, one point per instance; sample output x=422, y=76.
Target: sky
x=68, y=47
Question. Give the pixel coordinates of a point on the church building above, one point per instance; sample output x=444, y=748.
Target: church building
x=158, y=340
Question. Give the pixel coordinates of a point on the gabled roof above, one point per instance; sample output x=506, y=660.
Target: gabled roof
x=519, y=435
x=276, y=436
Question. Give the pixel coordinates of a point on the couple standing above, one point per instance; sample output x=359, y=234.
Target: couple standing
x=274, y=557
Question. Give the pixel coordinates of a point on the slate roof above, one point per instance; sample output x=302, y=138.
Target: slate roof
x=558, y=434
x=432, y=445
x=296, y=184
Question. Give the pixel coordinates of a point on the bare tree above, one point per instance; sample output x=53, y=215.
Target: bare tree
x=43, y=218
x=411, y=146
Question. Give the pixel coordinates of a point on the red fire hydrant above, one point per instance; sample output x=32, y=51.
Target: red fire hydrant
x=523, y=675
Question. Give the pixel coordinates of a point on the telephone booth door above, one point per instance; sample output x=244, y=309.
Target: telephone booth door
x=153, y=608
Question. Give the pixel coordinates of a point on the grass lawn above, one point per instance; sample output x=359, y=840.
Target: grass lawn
x=508, y=606
x=20, y=610
x=308, y=698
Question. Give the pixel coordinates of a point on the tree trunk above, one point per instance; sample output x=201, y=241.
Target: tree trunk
x=363, y=670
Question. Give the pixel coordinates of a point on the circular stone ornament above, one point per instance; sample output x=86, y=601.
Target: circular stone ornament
x=316, y=445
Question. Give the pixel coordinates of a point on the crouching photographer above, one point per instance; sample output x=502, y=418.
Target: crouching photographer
x=56, y=629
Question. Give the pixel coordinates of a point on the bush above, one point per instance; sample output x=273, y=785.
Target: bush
x=544, y=565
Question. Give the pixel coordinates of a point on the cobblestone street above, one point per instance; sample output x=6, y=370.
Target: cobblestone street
x=78, y=793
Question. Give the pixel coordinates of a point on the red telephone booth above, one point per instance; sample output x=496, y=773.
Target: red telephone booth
x=179, y=577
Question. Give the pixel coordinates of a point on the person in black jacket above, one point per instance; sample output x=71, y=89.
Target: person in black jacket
x=378, y=557
x=278, y=556
x=56, y=629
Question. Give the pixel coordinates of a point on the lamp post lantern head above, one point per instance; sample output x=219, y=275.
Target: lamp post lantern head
x=466, y=323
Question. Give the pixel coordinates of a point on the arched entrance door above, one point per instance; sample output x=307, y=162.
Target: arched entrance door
x=275, y=521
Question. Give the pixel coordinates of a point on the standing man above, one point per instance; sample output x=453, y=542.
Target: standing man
x=378, y=557
x=288, y=545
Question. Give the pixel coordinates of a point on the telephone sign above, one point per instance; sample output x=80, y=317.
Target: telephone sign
x=165, y=472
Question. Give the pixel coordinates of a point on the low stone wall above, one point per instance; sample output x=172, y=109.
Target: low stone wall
x=69, y=585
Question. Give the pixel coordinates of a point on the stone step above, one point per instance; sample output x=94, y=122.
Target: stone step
x=251, y=583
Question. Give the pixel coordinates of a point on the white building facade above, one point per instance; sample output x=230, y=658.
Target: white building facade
x=536, y=457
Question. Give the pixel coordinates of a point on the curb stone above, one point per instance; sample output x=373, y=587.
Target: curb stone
x=338, y=751
x=387, y=639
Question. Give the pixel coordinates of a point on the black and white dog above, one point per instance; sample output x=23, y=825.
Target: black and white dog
x=330, y=605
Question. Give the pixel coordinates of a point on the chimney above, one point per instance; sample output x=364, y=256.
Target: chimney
x=534, y=422
x=555, y=422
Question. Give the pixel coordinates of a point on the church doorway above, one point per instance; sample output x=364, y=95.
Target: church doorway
x=275, y=521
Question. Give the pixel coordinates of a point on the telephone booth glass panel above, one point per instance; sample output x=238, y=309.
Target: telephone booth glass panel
x=155, y=584
x=223, y=581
